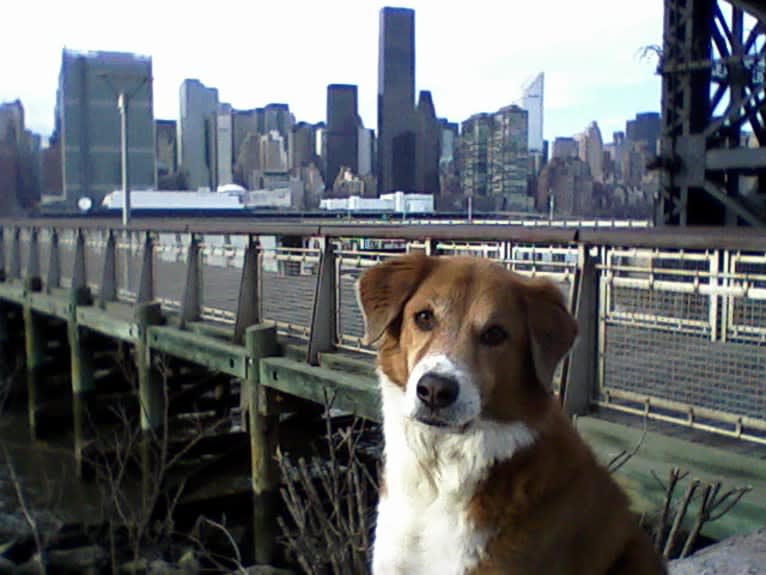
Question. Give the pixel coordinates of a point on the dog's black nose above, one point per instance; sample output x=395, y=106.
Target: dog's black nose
x=437, y=391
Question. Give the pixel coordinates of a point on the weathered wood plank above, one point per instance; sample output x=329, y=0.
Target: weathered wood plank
x=352, y=393
x=200, y=349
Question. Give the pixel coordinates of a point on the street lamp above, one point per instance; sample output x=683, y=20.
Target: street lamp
x=123, y=99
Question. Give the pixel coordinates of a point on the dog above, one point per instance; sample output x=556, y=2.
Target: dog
x=483, y=473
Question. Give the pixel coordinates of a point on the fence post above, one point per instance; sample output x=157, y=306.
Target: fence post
x=260, y=342
x=248, y=312
x=579, y=379
x=54, y=266
x=108, y=291
x=323, y=317
x=191, y=306
x=15, y=263
x=34, y=348
x=32, y=279
x=2, y=255
x=146, y=285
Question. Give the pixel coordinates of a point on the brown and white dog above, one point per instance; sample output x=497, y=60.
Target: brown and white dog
x=483, y=472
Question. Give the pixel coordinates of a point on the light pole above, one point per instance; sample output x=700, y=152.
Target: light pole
x=122, y=104
x=123, y=99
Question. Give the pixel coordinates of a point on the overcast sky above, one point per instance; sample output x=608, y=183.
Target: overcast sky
x=474, y=56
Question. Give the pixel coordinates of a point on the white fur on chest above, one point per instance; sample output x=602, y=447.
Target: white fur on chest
x=423, y=524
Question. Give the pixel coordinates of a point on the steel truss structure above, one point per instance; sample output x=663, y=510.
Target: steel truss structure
x=713, y=147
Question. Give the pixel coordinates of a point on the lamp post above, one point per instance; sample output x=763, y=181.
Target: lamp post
x=123, y=100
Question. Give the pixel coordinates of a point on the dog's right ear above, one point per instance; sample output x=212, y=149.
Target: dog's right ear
x=383, y=290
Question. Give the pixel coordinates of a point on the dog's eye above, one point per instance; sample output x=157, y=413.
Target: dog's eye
x=493, y=336
x=425, y=320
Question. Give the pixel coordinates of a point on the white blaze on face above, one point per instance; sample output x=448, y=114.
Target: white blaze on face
x=466, y=408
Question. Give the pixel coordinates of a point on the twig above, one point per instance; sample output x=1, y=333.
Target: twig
x=680, y=514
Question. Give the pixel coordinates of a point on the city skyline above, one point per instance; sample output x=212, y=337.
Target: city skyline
x=588, y=53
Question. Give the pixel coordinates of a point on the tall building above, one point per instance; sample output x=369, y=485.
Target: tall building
x=532, y=101
x=591, y=150
x=449, y=178
x=277, y=117
x=475, y=134
x=301, y=146
x=565, y=188
x=342, y=130
x=166, y=132
x=396, y=100
x=224, y=141
x=198, y=120
x=564, y=148
x=428, y=144
x=646, y=128
x=244, y=122
x=89, y=85
x=366, y=139
x=495, y=160
x=508, y=158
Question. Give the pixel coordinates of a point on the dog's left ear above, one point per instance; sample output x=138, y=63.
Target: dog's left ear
x=552, y=329
x=383, y=290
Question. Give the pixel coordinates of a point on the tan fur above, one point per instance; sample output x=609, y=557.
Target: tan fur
x=551, y=509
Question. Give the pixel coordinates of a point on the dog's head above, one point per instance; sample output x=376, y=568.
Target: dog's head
x=464, y=338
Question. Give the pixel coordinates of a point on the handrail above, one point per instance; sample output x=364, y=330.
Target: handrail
x=693, y=238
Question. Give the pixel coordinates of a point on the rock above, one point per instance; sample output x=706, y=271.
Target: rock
x=188, y=563
x=31, y=567
x=267, y=570
x=159, y=567
x=7, y=567
x=739, y=555
x=89, y=559
x=138, y=567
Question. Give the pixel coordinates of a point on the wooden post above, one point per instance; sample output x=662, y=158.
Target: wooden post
x=34, y=345
x=108, y=291
x=32, y=279
x=191, y=306
x=80, y=358
x=151, y=393
x=261, y=341
x=54, y=266
x=323, y=318
x=579, y=378
x=146, y=285
x=15, y=263
x=248, y=306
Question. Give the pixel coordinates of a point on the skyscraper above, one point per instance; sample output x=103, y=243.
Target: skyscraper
x=166, y=134
x=396, y=100
x=591, y=150
x=494, y=159
x=197, y=150
x=342, y=130
x=532, y=102
x=224, y=152
x=428, y=144
x=89, y=85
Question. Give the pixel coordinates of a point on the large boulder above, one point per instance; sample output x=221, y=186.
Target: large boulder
x=739, y=555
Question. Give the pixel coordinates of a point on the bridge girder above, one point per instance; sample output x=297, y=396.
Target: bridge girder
x=713, y=146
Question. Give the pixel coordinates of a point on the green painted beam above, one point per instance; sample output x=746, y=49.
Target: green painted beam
x=200, y=349
x=346, y=364
x=13, y=292
x=107, y=322
x=659, y=453
x=217, y=331
x=56, y=305
x=353, y=393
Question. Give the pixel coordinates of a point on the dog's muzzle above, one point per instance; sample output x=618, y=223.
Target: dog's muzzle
x=437, y=391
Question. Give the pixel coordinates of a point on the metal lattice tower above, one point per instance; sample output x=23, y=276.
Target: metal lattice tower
x=713, y=149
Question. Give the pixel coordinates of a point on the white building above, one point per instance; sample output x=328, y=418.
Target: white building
x=532, y=101
x=224, y=140
x=396, y=202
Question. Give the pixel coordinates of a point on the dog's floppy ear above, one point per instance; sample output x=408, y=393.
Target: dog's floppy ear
x=552, y=329
x=383, y=290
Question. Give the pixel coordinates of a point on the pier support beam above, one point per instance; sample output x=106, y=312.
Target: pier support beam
x=83, y=382
x=261, y=341
x=151, y=392
x=34, y=343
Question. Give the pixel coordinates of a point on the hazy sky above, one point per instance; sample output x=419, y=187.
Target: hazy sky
x=474, y=56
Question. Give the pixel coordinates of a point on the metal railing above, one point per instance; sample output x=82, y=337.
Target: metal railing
x=673, y=321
